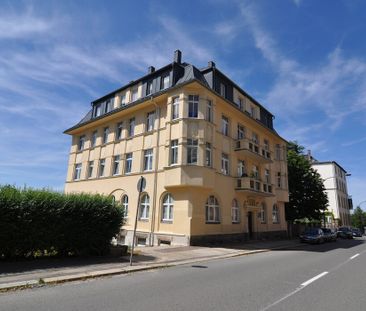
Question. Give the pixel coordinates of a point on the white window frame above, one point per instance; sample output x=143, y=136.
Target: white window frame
x=134, y=94
x=267, y=176
x=212, y=210
x=208, y=155
x=123, y=100
x=167, y=208
x=101, y=167
x=235, y=212
x=81, y=142
x=116, y=165
x=240, y=132
x=98, y=110
x=148, y=159
x=149, y=87
x=193, y=101
x=124, y=203
x=128, y=163
x=105, y=135
x=90, y=169
x=174, y=152
x=225, y=164
x=223, y=90
x=165, y=80
x=131, y=127
x=175, y=108
x=209, y=111
x=94, y=138
x=192, y=151
x=144, y=208
x=224, y=125
x=275, y=214
x=119, y=130
x=77, y=171
x=263, y=214
x=150, y=121
x=107, y=106
x=241, y=168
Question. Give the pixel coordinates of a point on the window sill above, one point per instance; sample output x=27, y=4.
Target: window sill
x=212, y=222
x=167, y=221
x=144, y=219
x=235, y=222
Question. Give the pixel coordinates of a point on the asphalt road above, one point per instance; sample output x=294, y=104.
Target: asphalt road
x=324, y=277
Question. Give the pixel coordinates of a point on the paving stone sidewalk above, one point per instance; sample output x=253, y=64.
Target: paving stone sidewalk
x=15, y=275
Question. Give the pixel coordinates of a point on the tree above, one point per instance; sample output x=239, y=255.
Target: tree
x=307, y=197
x=358, y=218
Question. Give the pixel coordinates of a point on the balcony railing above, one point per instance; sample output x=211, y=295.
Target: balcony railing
x=253, y=150
x=254, y=185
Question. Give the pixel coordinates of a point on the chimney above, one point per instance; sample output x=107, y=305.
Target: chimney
x=178, y=56
x=211, y=64
x=151, y=69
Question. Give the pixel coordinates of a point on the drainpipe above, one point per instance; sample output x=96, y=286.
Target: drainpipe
x=155, y=175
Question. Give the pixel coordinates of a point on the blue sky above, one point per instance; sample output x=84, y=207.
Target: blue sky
x=305, y=60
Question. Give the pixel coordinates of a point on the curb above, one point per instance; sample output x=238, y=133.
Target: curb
x=119, y=271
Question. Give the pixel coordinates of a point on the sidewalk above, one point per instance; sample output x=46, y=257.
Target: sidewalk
x=14, y=275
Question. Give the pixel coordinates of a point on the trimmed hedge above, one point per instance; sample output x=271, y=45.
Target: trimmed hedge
x=42, y=223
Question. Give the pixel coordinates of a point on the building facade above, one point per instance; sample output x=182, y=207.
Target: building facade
x=215, y=168
x=335, y=183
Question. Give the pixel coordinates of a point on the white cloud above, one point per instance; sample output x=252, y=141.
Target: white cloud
x=15, y=25
x=299, y=89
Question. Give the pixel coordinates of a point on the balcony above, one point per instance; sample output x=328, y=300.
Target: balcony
x=254, y=186
x=189, y=176
x=248, y=148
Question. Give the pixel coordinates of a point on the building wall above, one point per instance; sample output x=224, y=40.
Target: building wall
x=335, y=184
x=190, y=185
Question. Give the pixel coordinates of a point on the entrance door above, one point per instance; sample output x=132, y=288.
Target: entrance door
x=250, y=225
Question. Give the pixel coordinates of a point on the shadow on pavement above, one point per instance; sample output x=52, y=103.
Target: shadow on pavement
x=22, y=266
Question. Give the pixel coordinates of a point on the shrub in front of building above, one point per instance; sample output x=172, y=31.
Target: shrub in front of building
x=36, y=223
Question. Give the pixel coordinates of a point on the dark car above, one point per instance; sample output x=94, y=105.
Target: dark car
x=356, y=232
x=344, y=233
x=312, y=235
x=329, y=235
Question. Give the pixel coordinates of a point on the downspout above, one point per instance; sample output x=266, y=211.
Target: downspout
x=155, y=175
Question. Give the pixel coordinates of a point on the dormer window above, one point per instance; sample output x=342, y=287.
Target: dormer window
x=97, y=110
x=108, y=106
x=223, y=90
x=149, y=87
x=123, y=100
x=134, y=94
x=165, y=81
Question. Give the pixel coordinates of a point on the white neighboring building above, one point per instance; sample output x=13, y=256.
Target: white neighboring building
x=335, y=183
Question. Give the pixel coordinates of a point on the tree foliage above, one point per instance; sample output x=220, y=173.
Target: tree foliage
x=44, y=222
x=307, y=197
x=358, y=218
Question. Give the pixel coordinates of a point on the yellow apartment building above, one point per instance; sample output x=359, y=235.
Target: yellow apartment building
x=215, y=168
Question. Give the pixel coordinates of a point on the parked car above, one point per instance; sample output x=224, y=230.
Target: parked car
x=312, y=235
x=356, y=232
x=329, y=234
x=344, y=233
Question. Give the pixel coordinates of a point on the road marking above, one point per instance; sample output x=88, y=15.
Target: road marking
x=354, y=256
x=314, y=279
x=302, y=286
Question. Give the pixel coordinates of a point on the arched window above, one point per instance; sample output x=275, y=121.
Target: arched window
x=167, y=213
x=263, y=213
x=275, y=214
x=235, y=217
x=212, y=210
x=125, y=204
x=144, y=207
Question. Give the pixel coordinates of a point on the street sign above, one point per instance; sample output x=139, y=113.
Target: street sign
x=141, y=184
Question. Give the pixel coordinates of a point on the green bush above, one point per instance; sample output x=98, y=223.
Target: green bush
x=45, y=223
